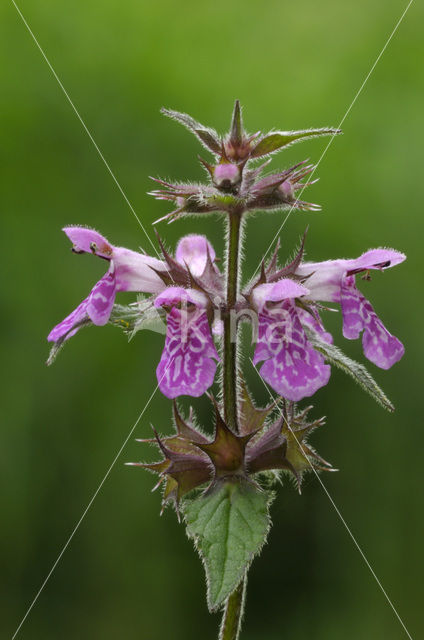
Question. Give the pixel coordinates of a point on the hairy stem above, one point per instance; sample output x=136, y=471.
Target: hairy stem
x=233, y=611
x=229, y=380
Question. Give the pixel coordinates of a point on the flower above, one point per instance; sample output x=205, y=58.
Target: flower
x=334, y=281
x=187, y=364
x=291, y=365
x=128, y=271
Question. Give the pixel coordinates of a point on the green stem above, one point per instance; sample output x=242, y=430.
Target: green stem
x=229, y=380
x=233, y=611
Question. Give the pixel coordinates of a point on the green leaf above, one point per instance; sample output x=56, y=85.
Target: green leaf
x=207, y=136
x=276, y=140
x=229, y=525
x=359, y=373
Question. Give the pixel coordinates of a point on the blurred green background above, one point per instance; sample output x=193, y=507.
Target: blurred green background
x=127, y=572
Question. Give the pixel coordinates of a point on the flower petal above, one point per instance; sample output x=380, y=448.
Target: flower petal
x=89, y=241
x=277, y=291
x=377, y=259
x=292, y=367
x=177, y=295
x=101, y=299
x=314, y=322
x=137, y=272
x=192, y=250
x=64, y=328
x=323, y=279
x=186, y=366
x=380, y=346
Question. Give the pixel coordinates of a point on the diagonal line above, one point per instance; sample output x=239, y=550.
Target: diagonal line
x=337, y=510
x=95, y=494
x=377, y=60
x=84, y=125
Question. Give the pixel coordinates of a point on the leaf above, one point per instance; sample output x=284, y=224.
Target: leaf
x=275, y=140
x=359, y=373
x=229, y=526
x=236, y=131
x=252, y=418
x=208, y=137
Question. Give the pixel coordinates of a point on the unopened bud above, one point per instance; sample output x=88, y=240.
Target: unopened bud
x=226, y=176
x=287, y=190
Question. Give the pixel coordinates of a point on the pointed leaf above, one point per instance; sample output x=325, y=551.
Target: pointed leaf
x=252, y=418
x=208, y=137
x=276, y=140
x=359, y=373
x=236, y=132
x=229, y=526
x=186, y=430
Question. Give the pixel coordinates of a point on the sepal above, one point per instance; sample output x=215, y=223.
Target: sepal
x=278, y=191
x=283, y=446
x=183, y=467
x=227, y=450
x=300, y=455
x=252, y=418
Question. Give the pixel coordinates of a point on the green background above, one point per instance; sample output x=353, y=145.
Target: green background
x=128, y=573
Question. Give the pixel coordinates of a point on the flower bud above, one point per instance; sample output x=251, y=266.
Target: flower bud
x=287, y=190
x=226, y=176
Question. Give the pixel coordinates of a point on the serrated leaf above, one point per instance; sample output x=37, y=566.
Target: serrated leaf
x=276, y=140
x=357, y=371
x=229, y=526
x=207, y=136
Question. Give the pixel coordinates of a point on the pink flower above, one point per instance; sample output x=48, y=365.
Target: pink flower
x=128, y=271
x=291, y=365
x=187, y=364
x=334, y=281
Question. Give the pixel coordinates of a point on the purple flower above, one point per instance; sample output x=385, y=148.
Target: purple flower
x=128, y=271
x=334, y=281
x=187, y=365
x=291, y=365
